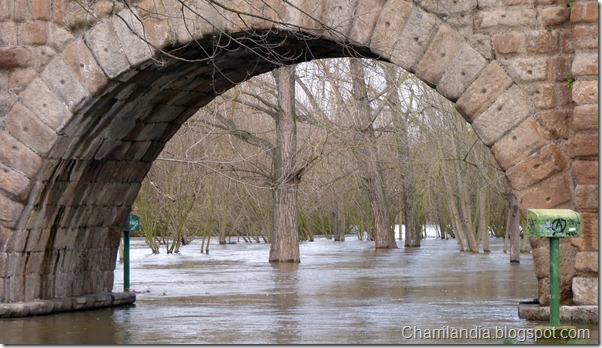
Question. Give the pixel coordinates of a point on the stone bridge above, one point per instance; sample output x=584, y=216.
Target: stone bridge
x=90, y=92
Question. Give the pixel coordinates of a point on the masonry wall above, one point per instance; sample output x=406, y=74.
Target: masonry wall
x=548, y=48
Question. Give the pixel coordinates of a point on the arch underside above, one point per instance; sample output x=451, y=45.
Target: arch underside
x=64, y=219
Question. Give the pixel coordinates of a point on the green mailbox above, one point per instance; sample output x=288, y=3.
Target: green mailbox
x=553, y=223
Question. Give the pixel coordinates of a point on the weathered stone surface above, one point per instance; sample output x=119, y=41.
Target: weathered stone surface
x=556, y=122
x=586, y=262
x=509, y=42
x=589, y=233
x=585, y=64
x=583, y=146
x=112, y=58
x=567, y=257
x=18, y=156
x=130, y=31
x=526, y=69
x=585, y=37
x=448, y=7
x=585, y=92
x=461, y=72
x=64, y=83
x=584, y=12
x=45, y=104
x=80, y=60
x=440, y=53
x=546, y=195
x=519, y=143
x=393, y=17
x=504, y=114
x=586, y=196
x=15, y=57
x=14, y=183
x=537, y=167
x=33, y=33
x=585, y=290
x=414, y=39
x=554, y=15
x=491, y=19
x=585, y=117
x=585, y=172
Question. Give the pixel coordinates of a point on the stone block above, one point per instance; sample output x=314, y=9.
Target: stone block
x=586, y=196
x=584, y=12
x=28, y=129
x=337, y=16
x=482, y=44
x=492, y=82
x=414, y=39
x=583, y=146
x=448, y=7
x=560, y=68
x=461, y=72
x=81, y=61
x=20, y=78
x=17, y=156
x=509, y=42
x=546, y=195
x=15, y=184
x=541, y=261
x=130, y=31
x=554, y=15
x=392, y=19
x=505, y=113
x=585, y=172
x=526, y=69
x=440, y=53
x=64, y=83
x=15, y=57
x=41, y=9
x=589, y=233
x=537, y=167
x=45, y=104
x=101, y=40
x=364, y=21
x=586, y=262
x=8, y=34
x=585, y=37
x=556, y=122
x=585, y=64
x=585, y=290
x=507, y=18
x=32, y=33
x=585, y=92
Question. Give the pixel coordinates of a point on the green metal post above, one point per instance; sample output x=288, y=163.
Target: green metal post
x=126, y=260
x=554, y=281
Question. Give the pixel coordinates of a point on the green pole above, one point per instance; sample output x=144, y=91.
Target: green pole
x=554, y=281
x=126, y=260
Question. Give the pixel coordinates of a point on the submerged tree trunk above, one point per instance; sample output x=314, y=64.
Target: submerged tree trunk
x=368, y=158
x=514, y=232
x=412, y=228
x=285, y=231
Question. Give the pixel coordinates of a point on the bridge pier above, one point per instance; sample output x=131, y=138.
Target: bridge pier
x=66, y=304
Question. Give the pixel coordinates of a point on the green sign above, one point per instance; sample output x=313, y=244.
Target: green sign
x=553, y=223
x=133, y=223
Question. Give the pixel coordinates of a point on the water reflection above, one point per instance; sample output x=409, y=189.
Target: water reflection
x=341, y=293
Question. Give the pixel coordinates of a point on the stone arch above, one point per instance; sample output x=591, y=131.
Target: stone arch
x=83, y=134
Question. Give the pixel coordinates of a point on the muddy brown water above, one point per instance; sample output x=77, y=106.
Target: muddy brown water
x=341, y=293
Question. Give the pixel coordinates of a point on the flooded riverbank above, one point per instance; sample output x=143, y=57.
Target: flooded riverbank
x=341, y=292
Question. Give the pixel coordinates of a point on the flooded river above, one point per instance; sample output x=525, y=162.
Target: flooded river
x=341, y=292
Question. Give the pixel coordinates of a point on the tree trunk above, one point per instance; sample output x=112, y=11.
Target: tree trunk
x=483, y=226
x=412, y=230
x=368, y=158
x=285, y=231
x=514, y=232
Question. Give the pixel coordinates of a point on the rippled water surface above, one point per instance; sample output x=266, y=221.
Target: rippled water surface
x=341, y=292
